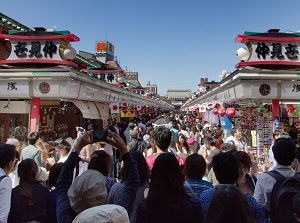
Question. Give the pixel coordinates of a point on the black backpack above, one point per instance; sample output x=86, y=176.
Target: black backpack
x=282, y=196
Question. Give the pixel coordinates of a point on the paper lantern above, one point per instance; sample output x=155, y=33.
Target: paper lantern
x=215, y=111
x=230, y=112
x=222, y=111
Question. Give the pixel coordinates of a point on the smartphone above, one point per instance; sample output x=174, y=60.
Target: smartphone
x=99, y=136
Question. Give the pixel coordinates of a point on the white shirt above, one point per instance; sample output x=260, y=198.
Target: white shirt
x=5, y=196
x=272, y=159
x=15, y=179
x=238, y=143
x=265, y=184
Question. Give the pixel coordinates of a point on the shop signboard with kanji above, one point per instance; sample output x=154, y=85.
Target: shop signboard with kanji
x=270, y=50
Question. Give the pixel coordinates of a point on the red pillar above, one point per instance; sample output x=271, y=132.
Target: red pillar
x=275, y=109
x=34, y=114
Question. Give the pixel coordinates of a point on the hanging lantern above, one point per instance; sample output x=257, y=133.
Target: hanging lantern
x=132, y=109
x=222, y=111
x=230, y=112
x=215, y=111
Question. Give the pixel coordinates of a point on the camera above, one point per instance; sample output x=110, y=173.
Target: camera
x=80, y=129
x=99, y=136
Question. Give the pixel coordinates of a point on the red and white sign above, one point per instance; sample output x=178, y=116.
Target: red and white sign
x=138, y=107
x=202, y=108
x=114, y=108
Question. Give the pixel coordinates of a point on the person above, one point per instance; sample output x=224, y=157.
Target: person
x=193, y=145
x=205, y=130
x=184, y=131
x=52, y=179
x=296, y=206
x=226, y=169
x=89, y=201
x=228, y=204
x=146, y=139
x=272, y=162
x=117, y=189
x=136, y=144
x=30, y=201
x=31, y=151
x=235, y=138
x=284, y=150
x=246, y=182
x=161, y=137
x=213, y=150
x=195, y=134
x=225, y=147
x=63, y=148
x=14, y=172
x=183, y=149
x=7, y=162
x=218, y=135
x=127, y=131
x=167, y=200
x=194, y=170
x=100, y=161
x=174, y=131
x=44, y=152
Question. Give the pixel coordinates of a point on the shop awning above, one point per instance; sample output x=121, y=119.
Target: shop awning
x=88, y=109
x=103, y=108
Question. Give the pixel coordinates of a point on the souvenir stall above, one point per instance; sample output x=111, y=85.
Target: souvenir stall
x=265, y=86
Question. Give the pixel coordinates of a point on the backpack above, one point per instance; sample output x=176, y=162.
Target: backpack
x=282, y=196
x=2, y=177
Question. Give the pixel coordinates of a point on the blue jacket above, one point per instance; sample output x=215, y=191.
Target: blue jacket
x=64, y=211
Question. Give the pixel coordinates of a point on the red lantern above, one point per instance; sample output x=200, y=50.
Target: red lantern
x=230, y=112
x=222, y=111
x=125, y=110
x=215, y=111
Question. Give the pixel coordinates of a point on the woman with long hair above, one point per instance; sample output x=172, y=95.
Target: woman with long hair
x=228, y=204
x=218, y=134
x=30, y=201
x=118, y=188
x=195, y=134
x=182, y=147
x=167, y=199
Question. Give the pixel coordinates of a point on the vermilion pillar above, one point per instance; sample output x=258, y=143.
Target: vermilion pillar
x=34, y=114
x=275, y=109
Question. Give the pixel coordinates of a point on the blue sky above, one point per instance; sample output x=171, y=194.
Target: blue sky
x=169, y=43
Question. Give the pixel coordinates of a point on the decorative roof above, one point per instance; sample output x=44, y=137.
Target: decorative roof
x=12, y=24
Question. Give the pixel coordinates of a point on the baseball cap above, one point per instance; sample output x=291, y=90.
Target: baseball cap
x=131, y=124
x=108, y=213
x=87, y=190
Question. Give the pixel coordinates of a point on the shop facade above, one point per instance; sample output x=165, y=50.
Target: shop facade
x=263, y=91
x=45, y=89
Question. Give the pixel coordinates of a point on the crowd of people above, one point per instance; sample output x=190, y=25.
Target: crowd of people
x=182, y=171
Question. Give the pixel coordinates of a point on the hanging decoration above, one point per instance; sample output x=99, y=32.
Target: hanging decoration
x=215, y=111
x=222, y=111
x=230, y=112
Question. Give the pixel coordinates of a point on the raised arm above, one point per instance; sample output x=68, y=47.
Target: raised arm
x=132, y=182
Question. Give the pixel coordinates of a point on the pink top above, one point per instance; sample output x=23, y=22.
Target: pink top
x=150, y=160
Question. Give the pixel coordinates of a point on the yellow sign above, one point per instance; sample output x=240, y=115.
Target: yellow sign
x=128, y=114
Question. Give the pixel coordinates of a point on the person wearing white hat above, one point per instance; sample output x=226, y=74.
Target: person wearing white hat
x=89, y=190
